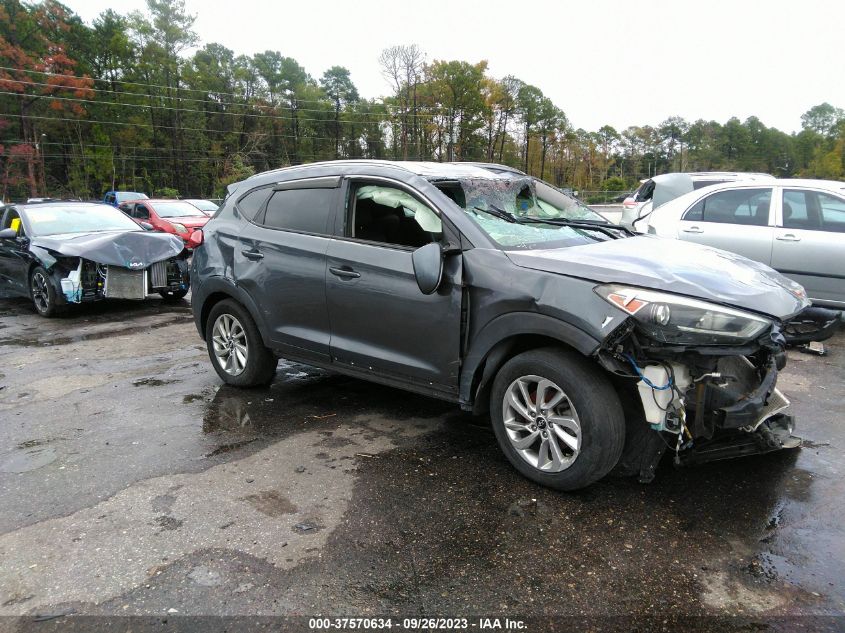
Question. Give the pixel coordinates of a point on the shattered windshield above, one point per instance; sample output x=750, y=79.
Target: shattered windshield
x=529, y=202
x=50, y=220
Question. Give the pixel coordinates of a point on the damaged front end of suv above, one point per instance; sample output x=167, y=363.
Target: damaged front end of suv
x=705, y=374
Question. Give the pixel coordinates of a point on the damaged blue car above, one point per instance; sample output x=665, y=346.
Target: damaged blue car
x=64, y=253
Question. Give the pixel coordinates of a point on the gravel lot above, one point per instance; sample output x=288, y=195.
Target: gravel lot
x=133, y=483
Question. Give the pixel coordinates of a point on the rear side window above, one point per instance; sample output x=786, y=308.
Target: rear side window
x=813, y=210
x=734, y=206
x=833, y=213
x=305, y=210
x=251, y=203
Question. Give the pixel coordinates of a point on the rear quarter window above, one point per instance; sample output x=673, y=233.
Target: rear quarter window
x=250, y=204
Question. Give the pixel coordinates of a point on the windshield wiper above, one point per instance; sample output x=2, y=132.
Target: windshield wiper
x=590, y=225
x=498, y=213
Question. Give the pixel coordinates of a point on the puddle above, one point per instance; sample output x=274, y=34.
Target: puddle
x=28, y=459
x=271, y=503
x=35, y=341
x=153, y=382
x=226, y=448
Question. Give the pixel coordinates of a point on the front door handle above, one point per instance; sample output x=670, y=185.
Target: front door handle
x=253, y=255
x=693, y=229
x=788, y=237
x=344, y=273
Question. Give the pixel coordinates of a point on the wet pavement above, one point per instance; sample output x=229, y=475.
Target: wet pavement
x=133, y=483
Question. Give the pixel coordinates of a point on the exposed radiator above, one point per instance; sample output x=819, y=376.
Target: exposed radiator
x=122, y=283
x=158, y=275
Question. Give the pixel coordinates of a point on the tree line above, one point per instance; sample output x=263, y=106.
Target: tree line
x=121, y=104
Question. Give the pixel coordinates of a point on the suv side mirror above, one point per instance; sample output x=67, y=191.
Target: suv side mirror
x=8, y=234
x=146, y=225
x=428, y=267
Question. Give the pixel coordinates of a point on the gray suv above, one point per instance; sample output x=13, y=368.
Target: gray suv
x=590, y=348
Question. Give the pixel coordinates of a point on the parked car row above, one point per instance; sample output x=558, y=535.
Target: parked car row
x=592, y=348
x=795, y=226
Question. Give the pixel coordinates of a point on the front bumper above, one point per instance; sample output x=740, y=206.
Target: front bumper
x=703, y=404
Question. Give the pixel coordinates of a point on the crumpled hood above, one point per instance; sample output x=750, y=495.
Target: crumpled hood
x=130, y=249
x=674, y=266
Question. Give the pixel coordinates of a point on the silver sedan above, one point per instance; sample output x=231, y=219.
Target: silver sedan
x=795, y=226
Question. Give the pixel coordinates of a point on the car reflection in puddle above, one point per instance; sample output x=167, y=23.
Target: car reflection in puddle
x=300, y=398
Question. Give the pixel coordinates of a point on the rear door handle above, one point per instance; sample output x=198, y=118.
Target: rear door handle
x=253, y=255
x=693, y=229
x=345, y=273
x=788, y=237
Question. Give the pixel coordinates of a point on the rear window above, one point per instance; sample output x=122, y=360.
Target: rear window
x=645, y=191
x=305, y=210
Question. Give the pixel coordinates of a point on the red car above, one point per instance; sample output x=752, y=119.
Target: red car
x=169, y=216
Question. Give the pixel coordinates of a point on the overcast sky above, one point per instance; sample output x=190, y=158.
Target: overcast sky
x=617, y=62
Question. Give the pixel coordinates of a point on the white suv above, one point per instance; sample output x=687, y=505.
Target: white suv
x=659, y=190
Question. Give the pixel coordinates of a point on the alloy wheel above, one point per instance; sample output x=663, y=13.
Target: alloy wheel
x=230, y=345
x=40, y=292
x=541, y=423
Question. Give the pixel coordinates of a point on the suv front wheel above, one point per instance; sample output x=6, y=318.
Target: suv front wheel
x=557, y=418
x=235, y=346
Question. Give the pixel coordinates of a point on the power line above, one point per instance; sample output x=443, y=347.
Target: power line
x=168, y=127
x=245, y=103
x=330, y=113
x=148, y=85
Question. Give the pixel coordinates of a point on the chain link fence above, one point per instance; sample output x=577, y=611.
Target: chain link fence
x=603, y=197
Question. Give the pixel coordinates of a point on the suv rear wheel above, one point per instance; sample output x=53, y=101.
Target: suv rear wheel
x=557, y=418
x=235, y=346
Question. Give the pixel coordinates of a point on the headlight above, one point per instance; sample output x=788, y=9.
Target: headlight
x=678, y=320
x=180, y=228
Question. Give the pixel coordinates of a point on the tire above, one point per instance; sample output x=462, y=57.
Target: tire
x=173, y=295
x=42, y=292
x=256, y=365
x=586, y=422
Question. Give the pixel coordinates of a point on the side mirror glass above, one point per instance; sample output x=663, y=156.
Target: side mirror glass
x=146, y=226
x=8, y=234
x=428, y=267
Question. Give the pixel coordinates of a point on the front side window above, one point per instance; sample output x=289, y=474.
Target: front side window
x=305, y=210
x=141, y=212
x=392, y=216
x=733, y=206
x=13, y=221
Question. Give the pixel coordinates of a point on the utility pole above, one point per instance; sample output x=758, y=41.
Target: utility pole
x=40, y=147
